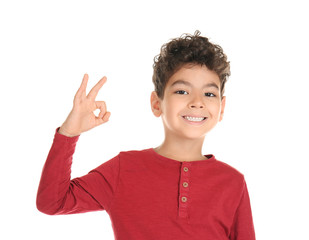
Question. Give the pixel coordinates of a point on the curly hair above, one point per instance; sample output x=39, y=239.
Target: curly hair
x=186, y=49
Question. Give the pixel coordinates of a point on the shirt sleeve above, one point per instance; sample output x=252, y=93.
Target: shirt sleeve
x=58, y=194
x=243, y=228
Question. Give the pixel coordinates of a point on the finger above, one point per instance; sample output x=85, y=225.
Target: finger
x=82, y=89
x=94, y=91
x=102, y=106
x=99, y=121
x=106, y=116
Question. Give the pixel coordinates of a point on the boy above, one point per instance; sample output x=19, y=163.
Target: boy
x=169, y=192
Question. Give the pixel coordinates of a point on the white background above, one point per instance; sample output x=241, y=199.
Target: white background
x=47, y=46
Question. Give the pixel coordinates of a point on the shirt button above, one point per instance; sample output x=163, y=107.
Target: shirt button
x=183, y=199
x=185, y=169
x=185, y=184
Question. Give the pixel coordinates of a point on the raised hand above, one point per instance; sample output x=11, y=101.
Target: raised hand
x=81, y=117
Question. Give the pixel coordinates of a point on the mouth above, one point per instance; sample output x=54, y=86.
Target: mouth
x=194, y=119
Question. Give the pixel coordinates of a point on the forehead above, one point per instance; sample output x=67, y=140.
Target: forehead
x=195, y=75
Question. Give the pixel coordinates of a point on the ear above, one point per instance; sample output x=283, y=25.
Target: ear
x=222, y=108
x=155, y=102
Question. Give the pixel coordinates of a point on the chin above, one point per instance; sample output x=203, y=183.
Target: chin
x=192, y=136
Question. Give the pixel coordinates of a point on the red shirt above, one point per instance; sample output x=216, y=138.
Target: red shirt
x=148, y=196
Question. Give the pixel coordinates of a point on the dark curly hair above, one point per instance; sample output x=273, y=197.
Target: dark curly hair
x=193, y=49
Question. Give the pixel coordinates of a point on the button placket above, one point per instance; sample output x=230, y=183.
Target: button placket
x=184, y=187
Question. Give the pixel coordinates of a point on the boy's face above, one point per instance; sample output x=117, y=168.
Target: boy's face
x=192, y=103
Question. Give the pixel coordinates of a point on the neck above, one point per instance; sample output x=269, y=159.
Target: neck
x=182, y=150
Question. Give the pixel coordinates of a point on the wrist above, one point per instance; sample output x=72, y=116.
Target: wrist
x=65, y=133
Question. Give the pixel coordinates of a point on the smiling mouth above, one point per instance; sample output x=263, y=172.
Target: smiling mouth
x=194, y=119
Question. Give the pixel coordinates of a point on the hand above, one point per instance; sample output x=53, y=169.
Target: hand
x=81, y=117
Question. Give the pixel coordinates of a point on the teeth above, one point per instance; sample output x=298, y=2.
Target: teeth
x=194, y=119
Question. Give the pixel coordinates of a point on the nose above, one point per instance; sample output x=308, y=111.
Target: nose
x=196, y=102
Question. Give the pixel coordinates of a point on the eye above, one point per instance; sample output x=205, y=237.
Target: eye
x=181, y=92
x=209, y=94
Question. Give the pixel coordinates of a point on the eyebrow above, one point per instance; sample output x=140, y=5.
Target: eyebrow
x=211, y=84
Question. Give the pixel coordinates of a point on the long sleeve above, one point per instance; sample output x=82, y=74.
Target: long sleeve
x=243, y=228
x=58, y=194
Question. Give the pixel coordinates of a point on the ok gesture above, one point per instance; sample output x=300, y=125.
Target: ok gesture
x=81, y=117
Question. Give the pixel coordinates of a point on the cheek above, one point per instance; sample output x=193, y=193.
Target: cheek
x=170, y=106
x=169, y=113
x=171, y=110
x=214, y=109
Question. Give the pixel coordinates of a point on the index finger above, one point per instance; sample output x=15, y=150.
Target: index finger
x=94, y=91
x=82, y=89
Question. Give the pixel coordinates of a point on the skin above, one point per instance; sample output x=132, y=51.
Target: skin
x=190, y=91
x=81, y=117
x=193, y=95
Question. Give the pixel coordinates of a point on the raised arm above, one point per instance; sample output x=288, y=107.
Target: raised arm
x=57, y=193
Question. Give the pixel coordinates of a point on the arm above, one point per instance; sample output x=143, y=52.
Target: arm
x=242, y=228
x=57, y=194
